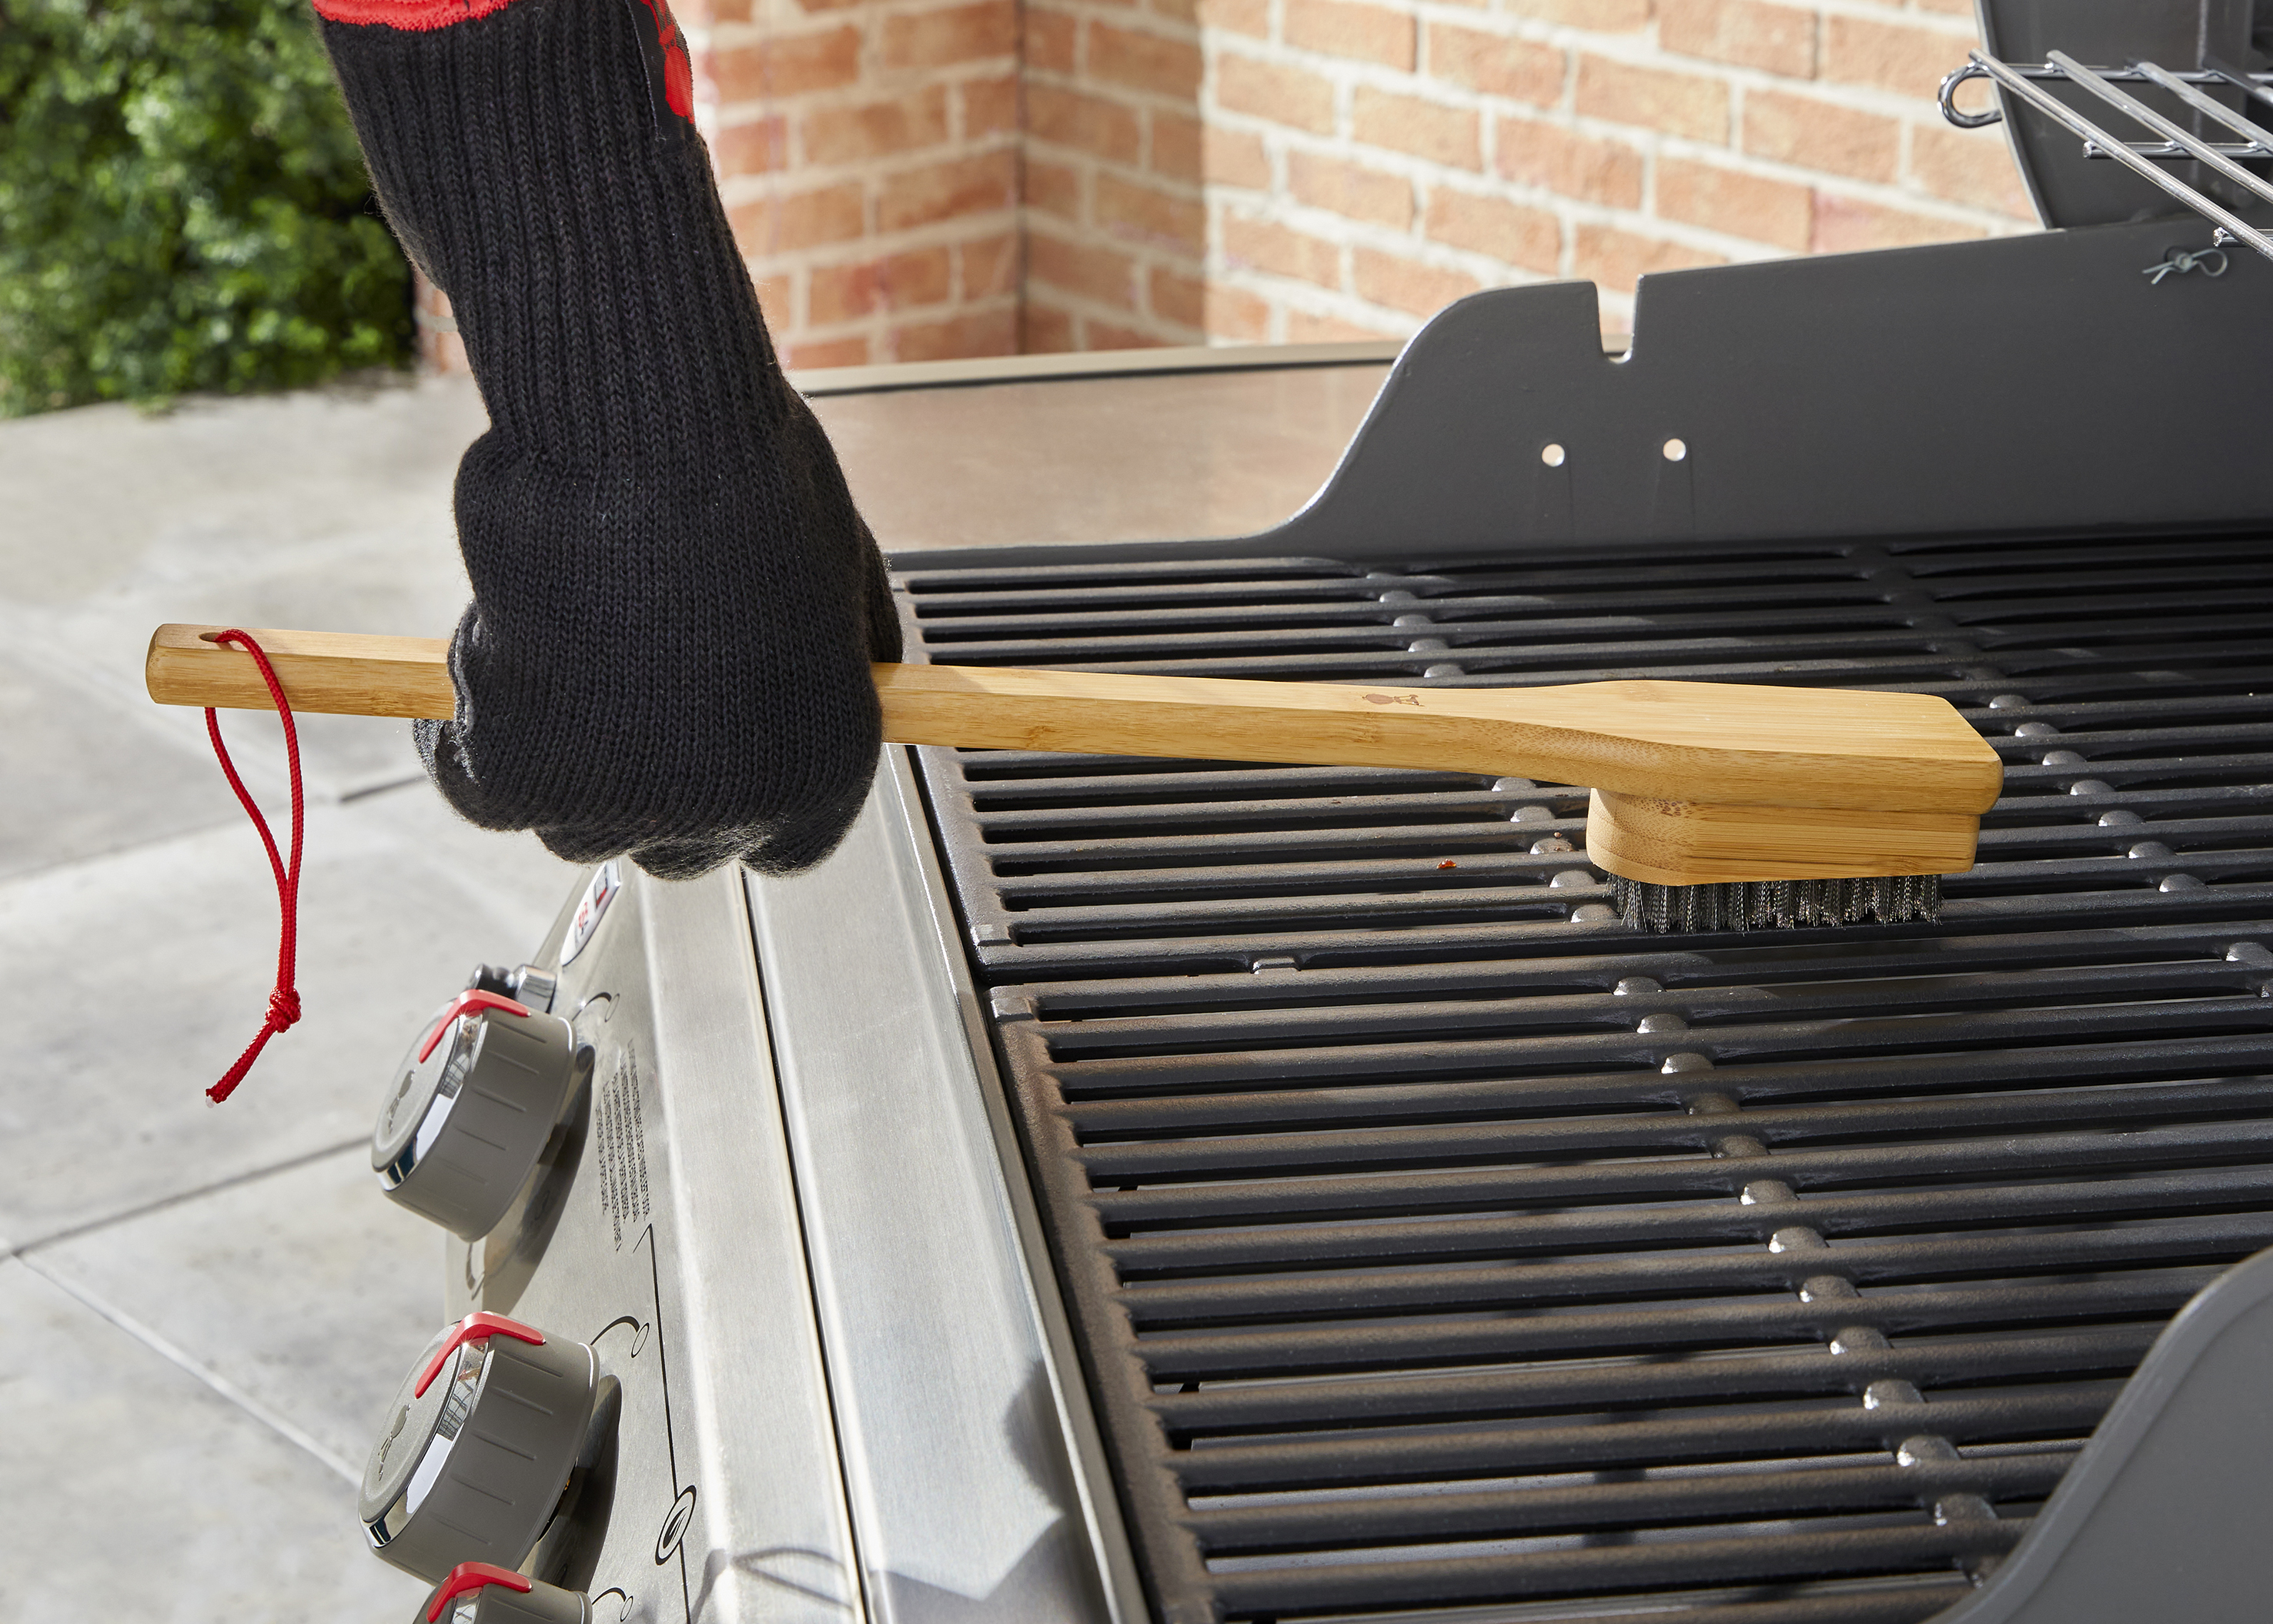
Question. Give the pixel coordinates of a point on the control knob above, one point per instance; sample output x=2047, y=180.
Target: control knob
x=470, y=1107
x=484, y=1593
x=477, y=1447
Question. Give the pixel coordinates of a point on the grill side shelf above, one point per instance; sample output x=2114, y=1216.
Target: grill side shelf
x=1435, y=1242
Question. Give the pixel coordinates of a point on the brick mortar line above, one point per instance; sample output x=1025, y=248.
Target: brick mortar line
x=769, y=184
x=1869, y=11
x=886, y=324
x=1151, y=25
x=808, y=176
x=1629, y=55
x=740, y=33
x=1157, y=180
x=1419, y=248
x=1384, y=239
x=1425, y=82
x=1574, y=35
x=1390, y=161
x=869, y=89
x=956, y=231
x=796, y=283
x=1118, y=96
x=794, y=274
x=830, y=256
x=1073, y=301
x=1307, y=298
x=1504, y=278
x=1106, y=11
x=1150, y=254
x=866, y=90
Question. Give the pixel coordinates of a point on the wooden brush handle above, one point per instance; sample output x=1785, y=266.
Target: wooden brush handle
x=1719, y=743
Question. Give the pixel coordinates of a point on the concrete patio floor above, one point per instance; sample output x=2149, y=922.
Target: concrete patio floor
x=202, y=1308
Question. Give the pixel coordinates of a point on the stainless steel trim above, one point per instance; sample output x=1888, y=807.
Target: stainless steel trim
x=1100, y=1505
x=1091, y=364
x=770, y=1535
x=950, y=1406
x=1072, y=369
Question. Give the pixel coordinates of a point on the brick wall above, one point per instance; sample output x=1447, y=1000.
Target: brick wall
x=1119, y=173
x=916, y=179
x=1372, y=162
x=867, y=151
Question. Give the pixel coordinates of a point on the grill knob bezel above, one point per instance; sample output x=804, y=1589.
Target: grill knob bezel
x=481, y=1437
x=473, y=1101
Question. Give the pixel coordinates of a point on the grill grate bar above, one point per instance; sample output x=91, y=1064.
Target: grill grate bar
x=1326, y=1408
x=1651, y=1277
x=2053, y=1419
x=1302, y=1168
x=1719, y=1009
x=1009, y=947
x=1233, y=1528
x=1553, y=1133
x=1681, y=972
x=2227, y=1033
x=1901, y=1602
x=1327, y=1236
x=1753, y=1559
x=1817, y=1312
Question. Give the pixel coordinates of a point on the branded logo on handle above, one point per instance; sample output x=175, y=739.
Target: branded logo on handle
x=597, y=896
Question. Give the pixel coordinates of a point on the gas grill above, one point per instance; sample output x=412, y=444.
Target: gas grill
x=1113, y=1189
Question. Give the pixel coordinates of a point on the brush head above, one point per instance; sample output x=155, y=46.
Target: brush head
x=1775, y=904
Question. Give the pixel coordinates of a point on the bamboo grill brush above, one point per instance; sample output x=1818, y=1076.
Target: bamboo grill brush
x=1715, y=806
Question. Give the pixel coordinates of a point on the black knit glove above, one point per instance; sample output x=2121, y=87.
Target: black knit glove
x=675, y=602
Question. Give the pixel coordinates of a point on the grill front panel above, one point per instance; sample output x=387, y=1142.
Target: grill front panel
x=1436, y=1243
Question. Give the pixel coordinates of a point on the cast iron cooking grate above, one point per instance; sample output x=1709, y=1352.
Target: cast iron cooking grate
x=1438, y=1247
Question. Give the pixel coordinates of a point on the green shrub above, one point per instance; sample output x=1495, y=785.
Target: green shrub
x=181, y=205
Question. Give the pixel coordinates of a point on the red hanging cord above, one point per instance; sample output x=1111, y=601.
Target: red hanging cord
x=284, y=1002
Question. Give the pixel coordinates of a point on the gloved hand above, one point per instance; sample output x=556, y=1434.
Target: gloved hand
x=675, y=602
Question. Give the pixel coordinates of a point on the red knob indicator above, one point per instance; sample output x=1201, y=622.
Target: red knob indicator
x=470, y=1108
x=471, y=998
x=485, y=1430
x=473, y=1328
x=471, y=1576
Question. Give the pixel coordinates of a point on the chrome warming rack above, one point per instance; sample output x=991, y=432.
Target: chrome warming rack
x=2175, y=144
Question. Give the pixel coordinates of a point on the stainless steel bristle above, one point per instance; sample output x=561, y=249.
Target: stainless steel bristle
x=1775, y=904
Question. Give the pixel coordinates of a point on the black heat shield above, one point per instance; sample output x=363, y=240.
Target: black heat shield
x=2040, y=384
